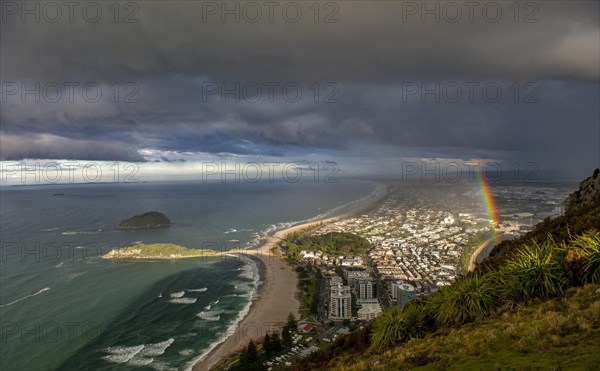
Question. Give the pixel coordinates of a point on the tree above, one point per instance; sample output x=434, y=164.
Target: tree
x=249, y=359
x=276, y=343
x=252, y=354
x=244, y=358
x=291, y=322
x=286, y=336
x=268, y=345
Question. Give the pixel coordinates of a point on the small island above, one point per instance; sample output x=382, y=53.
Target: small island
x=149, y=220
x=158, y=251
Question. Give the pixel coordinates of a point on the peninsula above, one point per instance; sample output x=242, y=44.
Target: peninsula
x=149, y=220
x=158, y=251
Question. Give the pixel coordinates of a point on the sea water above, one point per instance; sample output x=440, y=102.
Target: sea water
x=62, y=306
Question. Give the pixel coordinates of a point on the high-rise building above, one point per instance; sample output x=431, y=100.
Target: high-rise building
x=366, y=290
x=335, y=280
x=405, y=293
x=340, y=302
x=394, y=290
x=354, y=275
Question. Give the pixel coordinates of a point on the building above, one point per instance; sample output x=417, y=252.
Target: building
x=369, y=311
x=335, y=281
x=305, y=328
x=394, y=290
x=405, y=293
x=353, y=275
x=340, y=302
x=352, y=262
x=366, y=290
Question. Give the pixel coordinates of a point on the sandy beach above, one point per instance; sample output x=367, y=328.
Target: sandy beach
x=276, y=299
x=277, y=295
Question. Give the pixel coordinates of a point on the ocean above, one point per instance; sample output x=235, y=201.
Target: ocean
x=64, y=307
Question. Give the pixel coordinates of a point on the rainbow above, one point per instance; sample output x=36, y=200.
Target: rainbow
x=490, y=203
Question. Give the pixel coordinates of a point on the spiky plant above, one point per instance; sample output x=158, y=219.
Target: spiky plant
x=386, y=330
x=588, y=246
x=535, y=271
x=463, y=302
x=413, y=319
x=396, y=326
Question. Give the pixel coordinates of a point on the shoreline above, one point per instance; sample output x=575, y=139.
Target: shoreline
x=276, y=297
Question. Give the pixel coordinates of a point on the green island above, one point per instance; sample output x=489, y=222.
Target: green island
x=149, y=220
x=159, y=251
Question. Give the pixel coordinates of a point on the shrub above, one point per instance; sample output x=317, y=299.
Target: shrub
x=463, y=302
x=535, y=271
x=396, y=326
x=413, y=318
x=386, y=329
x=585, y=252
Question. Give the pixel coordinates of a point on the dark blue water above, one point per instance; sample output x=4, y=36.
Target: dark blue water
x=64, y=307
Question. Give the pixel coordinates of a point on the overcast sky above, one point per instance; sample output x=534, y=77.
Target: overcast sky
x=362, y=83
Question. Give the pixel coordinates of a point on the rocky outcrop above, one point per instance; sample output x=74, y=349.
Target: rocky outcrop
x=587, y=194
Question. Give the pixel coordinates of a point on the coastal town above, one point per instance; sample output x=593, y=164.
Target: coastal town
x=416, y=245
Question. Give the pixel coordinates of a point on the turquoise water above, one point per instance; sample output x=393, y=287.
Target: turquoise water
x=64, y=307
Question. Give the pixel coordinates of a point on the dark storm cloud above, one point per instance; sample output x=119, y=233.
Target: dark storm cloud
x=369, y=54
x=371, y=40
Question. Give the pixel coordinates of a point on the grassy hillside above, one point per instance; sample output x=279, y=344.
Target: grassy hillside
x=559, y=229
x=538, y=310
x=562, y=333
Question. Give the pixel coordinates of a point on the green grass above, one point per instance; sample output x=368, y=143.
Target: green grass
x=310, y=284
x=162, y=250
x=331, y=244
